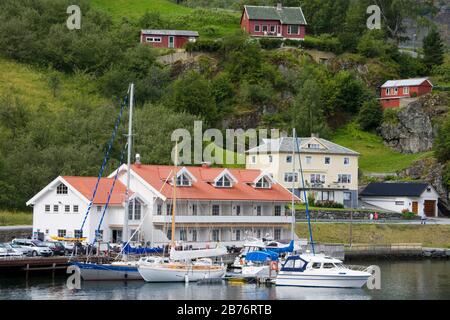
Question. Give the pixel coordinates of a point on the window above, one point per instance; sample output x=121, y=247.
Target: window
x=405, y=90
x=346, y=161
x=169, y=234
x=153, y=39
x=47, y=231
x=183, y=235
x=344, y=178
x=215, y=235
x=308, y=159
x=258, y=210
x=317, y=178
x=55, y=208
x=395, y=91
x=258, y=233
x=257, y=28
x=61, y=189
x=264, y=28
x=313, y=146
x=159, y=209
x=67, y=208
x=327, y=195
x=277, y=234
x=270, y=159
x=75, y=209
x=272, y=28
x=288, y=159
x=327, y=160
x=316, y=265
x=263, y=183
x=328, y=266
x=194, y=209
x=135, y=235
x=194, y=235
x=223, y=182
x=61, y=233
x=290, y=177
x=388, y=91
x=253, y=159
x=277, y=210
x=293, y=29
x=399, y=203
x=99, y=208
x=134, y=210
x=47, y=208
x=183, y=181
x=215, y=210
x=169, y=209
x=238, y=210
x=77, y=233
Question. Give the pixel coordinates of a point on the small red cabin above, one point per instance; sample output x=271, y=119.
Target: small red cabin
x=274, y=22
x=175, y=39
x=393, y=91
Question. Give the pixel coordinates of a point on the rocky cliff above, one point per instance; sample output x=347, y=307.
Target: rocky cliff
x=413, y=128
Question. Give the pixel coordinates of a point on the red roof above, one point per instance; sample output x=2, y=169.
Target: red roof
x=203, y=188
x=86, y=185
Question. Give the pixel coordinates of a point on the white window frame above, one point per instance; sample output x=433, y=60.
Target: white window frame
x=62, y=189
x=153, y=39
x=288, y=159
x=405, y=90
x=215, y=205
x=257, y=26
x=287, y=176
x=346, y=161
x=347, y=176
x=76, y=208
x=266, y=27
x=290, y=29
x=253, y=159
x=308, y=159
x=47, y=208
x=325, y=161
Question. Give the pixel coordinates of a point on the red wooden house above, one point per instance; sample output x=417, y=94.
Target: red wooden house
x=168, y=38
x=393, y=91
x=276, y=22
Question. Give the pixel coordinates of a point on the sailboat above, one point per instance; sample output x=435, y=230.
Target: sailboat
x=317, y=270
x=123, y=269
x=186, y=265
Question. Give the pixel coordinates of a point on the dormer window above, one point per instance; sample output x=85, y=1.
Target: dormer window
x=183, y=181
x=61, y=189
x=263, y=183
x=223, y=182
x=313, y=146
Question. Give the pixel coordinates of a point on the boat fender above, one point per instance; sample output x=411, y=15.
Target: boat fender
x=241, y=261
x=274, y=265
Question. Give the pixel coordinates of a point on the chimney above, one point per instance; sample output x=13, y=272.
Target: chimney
x=206, y=164
x=279, y=6
x=138, y=160
x=315, y=135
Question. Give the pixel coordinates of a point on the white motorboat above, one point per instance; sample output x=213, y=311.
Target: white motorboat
x=308, y=270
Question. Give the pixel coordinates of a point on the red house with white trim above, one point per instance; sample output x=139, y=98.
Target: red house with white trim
x=175, y=39
x=394, y=91
x=274, y=22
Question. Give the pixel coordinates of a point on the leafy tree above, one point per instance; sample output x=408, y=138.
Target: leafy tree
x=433, y=49
x=442, y=143
x=370, y=115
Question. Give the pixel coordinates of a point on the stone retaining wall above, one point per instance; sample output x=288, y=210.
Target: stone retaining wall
x=341, y=215
x=9, y=233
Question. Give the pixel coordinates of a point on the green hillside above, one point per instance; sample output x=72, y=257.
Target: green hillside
x=375, y=156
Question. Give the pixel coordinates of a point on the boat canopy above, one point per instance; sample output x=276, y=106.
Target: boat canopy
x=289, y=248
x=143, y=250
x=196, y=254
x=261, y=256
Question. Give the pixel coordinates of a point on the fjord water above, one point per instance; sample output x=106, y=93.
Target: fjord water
x=399, y=280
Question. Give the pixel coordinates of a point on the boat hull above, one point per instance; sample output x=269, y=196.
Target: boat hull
x=99, y=272
x=321, y=281
x=158, y=274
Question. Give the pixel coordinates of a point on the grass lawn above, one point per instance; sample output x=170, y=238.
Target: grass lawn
x=8, y=218
x=31, y=85
x=428, y=235
x=210, y=23
x=375, y=156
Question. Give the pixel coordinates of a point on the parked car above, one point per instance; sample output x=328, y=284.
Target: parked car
x=56, y=247
x=12, y=252
x=3, y=251
x=26, y=251
x=38, y=248
x=68, y=247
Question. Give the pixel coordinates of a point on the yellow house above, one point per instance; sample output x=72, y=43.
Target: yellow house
x=330, y=171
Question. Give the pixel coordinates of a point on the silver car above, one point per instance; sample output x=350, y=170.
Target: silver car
x=10, y=252
x=37, y=247
x=25, y=251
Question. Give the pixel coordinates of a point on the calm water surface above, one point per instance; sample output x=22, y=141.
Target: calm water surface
x=399, y=280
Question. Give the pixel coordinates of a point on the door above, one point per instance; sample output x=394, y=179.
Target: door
x=171, y=42
x=415, y=207
x=429, y=207
x=116, y=236
x=347, y=199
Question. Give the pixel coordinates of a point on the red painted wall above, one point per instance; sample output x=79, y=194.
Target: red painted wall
x=390, y=103
x=179, y=41
x=424, y=88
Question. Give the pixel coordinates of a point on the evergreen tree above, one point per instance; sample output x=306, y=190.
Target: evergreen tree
x=433, y=49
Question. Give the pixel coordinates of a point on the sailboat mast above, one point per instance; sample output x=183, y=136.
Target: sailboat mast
x=293, y=186
x=127, y=192
x=174, y=203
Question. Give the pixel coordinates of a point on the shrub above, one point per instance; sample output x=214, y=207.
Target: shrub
x=203, y=46
x=328, y=204
x=267, y=43
x=323, y=43
x=292, y=43
x=406, y=214
x=390, y=116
